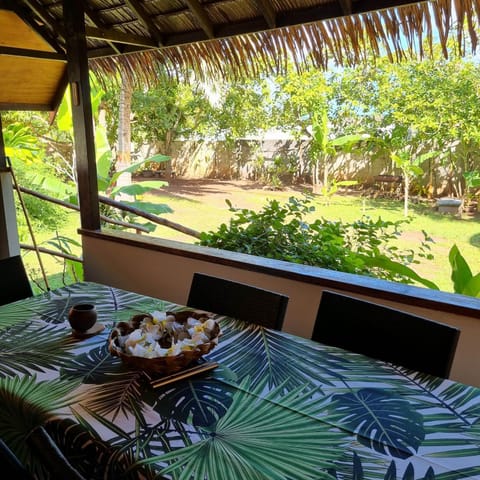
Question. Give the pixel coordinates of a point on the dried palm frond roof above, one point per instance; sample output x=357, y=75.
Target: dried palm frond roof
x=224, y=38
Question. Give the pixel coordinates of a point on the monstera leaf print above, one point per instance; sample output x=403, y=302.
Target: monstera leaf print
x=380, y=420
x=199, y=402
x=258, y=439
x=255, y=352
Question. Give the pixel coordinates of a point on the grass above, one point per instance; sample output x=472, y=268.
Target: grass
x=203, y=208
x=444, y=229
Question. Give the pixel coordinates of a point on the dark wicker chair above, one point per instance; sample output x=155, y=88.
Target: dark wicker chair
x=14, y=284
x=386, y=334
x=237, y=300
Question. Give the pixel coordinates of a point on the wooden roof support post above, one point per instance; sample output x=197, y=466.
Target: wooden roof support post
x=78, y=77
x=9, y=243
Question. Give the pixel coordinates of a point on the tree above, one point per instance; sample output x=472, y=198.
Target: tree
x=323, y=148
x=438, y=101
x=301, y=109
x=169, y=110
x=124, y=136
x=242, y=109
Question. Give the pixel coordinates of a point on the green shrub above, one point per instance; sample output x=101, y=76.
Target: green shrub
x=365, y=247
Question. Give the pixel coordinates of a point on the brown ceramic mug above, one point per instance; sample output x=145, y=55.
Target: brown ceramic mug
x=82, y=316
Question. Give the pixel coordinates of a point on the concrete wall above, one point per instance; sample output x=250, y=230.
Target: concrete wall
x=249, y=159
x=255, y=160
x=161, y=271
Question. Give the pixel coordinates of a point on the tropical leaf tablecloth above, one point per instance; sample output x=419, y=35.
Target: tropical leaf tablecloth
x=277, y=407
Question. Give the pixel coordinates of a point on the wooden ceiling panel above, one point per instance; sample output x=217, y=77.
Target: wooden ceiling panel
x=27, y=82
x=235, y=37
x=15, y=33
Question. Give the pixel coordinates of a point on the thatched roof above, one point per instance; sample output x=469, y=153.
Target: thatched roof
x=218, y=37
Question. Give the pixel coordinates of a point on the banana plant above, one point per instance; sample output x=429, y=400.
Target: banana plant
x=107, y=177
x=464, y=282
x=20, y=143
x=323, y=147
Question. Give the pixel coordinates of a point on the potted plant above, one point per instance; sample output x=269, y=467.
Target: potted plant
x=472, y=183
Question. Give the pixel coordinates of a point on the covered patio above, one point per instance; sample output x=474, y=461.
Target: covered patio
x=46, y=45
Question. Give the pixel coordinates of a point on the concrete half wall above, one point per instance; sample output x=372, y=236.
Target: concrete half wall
x=164, y=269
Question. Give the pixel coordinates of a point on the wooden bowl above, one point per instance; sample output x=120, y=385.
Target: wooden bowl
x=161, y=365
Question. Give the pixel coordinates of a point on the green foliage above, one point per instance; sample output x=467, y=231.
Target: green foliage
x=20, y=142
x=161, y=113
x=331, y=188
x=24, y=150
x=279, y=170
x=282, y=232
x=106, y=175
x=72, y=270
x=432, y=105
x=242, y=110
x=472, y=183
x=464, y=282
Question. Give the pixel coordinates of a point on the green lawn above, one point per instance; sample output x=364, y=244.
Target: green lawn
x=205, y=210
x=443, y=228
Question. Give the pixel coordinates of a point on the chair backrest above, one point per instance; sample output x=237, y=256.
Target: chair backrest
x=237, y=300
x=14, y=284
x=385, y=334
x=11, y=466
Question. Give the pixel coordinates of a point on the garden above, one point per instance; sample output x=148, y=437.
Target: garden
x=414, y=122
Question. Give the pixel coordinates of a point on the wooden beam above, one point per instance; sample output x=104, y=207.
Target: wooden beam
x=25, y=107
x=3, y=157
x=146, y=19
x=27, y=53
x=283, y=19
x=97, y=21
x=59, y=93
x=110, y=52
x=45, y=16
x=201, y=17
x=112, y=35
x=26, y=15
x=40, y=11
x=346, y=6
x=267, y=11
x=84, y=138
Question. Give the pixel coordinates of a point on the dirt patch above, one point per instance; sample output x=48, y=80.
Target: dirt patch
x=214, y=192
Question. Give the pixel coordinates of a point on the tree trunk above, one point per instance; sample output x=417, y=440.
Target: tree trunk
x=406, y=179
x=168, y=151
x=124, y=133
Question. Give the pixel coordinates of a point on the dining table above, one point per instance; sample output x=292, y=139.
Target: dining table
x=276, y=407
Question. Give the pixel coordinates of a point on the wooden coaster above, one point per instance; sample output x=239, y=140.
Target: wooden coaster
x=97, y=328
